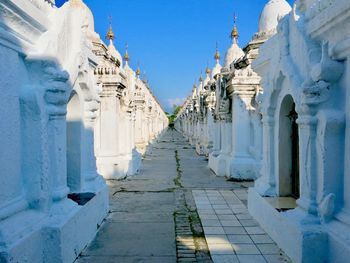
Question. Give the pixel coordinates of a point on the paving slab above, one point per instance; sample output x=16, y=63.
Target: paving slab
x=249, y=242
x=177, y=210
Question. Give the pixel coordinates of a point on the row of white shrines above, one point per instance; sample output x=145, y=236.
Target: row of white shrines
x=70, y=112
x=278, y=112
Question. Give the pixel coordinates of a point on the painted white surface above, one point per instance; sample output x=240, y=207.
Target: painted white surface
x=273, y=11
x=53, y=112
x=307, y=65
x=304, y=60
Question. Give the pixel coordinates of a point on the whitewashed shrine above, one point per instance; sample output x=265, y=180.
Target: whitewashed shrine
x=281, y=117
x=58, y=83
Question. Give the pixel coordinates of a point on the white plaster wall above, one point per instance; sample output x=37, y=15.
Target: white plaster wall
x=74, y=140
x=306, y=61
x=347, y=144
x=11, y=180
x=241, y=129
x=35, y=92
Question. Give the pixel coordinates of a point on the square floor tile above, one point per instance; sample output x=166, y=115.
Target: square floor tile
x=230, y=223
x=244, y=216
x=202, y=203
x=217, y=239
x=233, y=201
x=220, y=249
x=227, y=217
x=208, y=216
x=210, y=222
x=234, y=230
x=251, y=259
x=205, y=211
x=224, y=259
x=277, y=259
x=204, y=207
x=240, y=239
x=223, y=212
x=254, y=230
x=268, y=249
x=237, y=206
x=220, y=207
x=249, y=222
x=246, y=249
x=261, y=239
x=240, y=210
x=218, y=202
x=213, y=230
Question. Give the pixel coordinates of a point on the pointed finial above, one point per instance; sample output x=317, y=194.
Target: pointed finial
x=207, y=70
x=126, y=55
x=110, y=34
x=138, y=70
x=201, y=78
x=217, y=53
x=234, y=33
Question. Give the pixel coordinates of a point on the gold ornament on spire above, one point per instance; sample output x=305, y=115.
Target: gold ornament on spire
x=201, y=78
x=217, y=53
x=194, y=84
x=126, y=55
x=207, y=70
x=234, y=33
x=110, y=34
x=138, y=70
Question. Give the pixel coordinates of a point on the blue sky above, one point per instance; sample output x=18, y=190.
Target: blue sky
x=175, y=39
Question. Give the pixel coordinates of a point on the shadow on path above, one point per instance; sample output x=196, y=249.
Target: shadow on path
x=153, y=217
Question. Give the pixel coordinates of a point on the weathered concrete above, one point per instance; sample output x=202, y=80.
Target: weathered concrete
x=144, y=208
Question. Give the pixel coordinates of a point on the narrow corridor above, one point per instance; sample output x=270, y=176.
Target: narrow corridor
x=161, y=214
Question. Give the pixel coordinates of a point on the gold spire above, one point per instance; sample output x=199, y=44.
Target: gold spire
x=207, y=70
x=194, y=84
x=138, y=70
x=110, y=34
x=234, y=33
x=126, y=55
x=217, y=53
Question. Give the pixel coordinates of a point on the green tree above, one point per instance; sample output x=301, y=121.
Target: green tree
x=176, y=110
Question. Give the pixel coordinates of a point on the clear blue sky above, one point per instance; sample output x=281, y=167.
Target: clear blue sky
x=174, y=39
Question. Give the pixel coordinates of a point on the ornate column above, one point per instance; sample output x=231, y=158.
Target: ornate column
x=309, y=170
x=89, y=168
x=139, y=124
x=56, y=98
x=266, y=183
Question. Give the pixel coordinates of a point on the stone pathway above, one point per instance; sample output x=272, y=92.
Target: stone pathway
x=159, y=215
x=231, y=233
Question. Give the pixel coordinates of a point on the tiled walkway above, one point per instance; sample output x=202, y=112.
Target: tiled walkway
x=163, y=214
x=231, y=233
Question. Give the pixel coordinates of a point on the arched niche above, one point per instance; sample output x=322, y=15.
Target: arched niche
x=74, y=133
x=288, y=149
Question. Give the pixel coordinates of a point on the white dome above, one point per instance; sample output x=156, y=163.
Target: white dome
x=92, y=35
x=90, y=16
x=272, y=12
x=232, y=54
